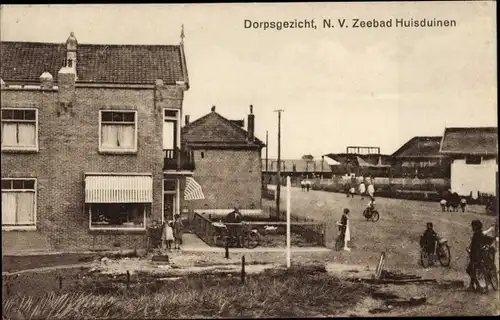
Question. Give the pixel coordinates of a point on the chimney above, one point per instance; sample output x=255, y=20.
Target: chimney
x=46, y=81
x=187, y=119
x=71, y=47
x=251, y=124
x=212, y=109
x=66, y=78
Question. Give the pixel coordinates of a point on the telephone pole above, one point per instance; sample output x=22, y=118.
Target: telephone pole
x=278, y=172
x=267, y=148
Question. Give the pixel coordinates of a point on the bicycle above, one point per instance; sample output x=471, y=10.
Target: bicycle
x=370, y=213
x=250, y=238
x=485, y=271
x=441, y=251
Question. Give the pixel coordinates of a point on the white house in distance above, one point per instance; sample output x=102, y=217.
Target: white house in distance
x=474, y=154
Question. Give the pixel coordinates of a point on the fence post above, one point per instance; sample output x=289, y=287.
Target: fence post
x=243, y=269
x=60, y=282
x=226, y=247
x=128, y=279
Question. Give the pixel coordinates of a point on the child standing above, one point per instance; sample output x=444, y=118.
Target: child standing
x=167, y=235
x=177, y=228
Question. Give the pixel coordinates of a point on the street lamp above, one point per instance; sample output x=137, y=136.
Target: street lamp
x=278, y=173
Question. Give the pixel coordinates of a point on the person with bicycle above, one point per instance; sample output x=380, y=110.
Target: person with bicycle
x=478, y=241
x=234, y=231
x=428, y=241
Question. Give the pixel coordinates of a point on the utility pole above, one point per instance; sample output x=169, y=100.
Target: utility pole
x=267, y=154
x=278, y=173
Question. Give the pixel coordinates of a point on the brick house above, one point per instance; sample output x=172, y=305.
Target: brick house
x=90, y=143
x=420, y=157
x=474, y=154
x=228, y=163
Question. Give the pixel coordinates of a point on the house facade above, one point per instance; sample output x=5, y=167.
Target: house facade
x=474, y=154
x=228, y=163
x=420, y=157
x=90, y=143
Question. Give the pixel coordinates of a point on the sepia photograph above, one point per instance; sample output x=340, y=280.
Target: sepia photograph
x=249, y=160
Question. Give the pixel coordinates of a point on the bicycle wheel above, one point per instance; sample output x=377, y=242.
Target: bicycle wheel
x=482, y=277
x=444, y=255
x=424, y=259
x=493, y=276
x=252, y=240
x=375, y=216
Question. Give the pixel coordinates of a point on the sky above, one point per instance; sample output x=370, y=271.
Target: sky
x=338, y=87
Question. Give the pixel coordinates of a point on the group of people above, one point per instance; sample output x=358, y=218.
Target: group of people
x=172, y=233
x=479, y=240
x=362, y=190
x=451, y=201
x=305, y=185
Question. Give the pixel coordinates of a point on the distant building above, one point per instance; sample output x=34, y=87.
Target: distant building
x=361, y=161
x=228, y=163
x=420, y=157
x=474, y=154
x=297, y=169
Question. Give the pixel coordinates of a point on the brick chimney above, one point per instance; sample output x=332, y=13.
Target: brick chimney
x=187, y=119
x=71, y=48
x=251, y=124
x=212, y=109
x=66, y=79
x=46, y=80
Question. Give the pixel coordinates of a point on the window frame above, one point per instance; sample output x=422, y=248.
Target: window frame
x=122, y=229
x=469, y=162
x=35, y=205
x=136, y=129
x=177, y=119
x=22, y=148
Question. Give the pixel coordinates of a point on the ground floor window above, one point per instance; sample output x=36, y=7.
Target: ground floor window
x=118, y=215
x=18, y=203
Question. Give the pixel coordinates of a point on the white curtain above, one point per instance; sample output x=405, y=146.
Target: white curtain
x=25, y=207
x=168, y=135
x=18, y=208
x=9, y=208
x=126, y=136
x=27, y=134
x=109, y=136
x=118, y=136
x=9, y=134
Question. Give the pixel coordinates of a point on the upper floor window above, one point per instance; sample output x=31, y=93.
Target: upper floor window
x=118, y=131
x=19, y=203
x=473, y=160
x=170, y=129
x=20, y=129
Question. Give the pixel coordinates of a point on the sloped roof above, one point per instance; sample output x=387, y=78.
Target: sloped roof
x=473, y=141
x=364, y=160
x=300, y=165
x=120, y=64
x=418, y=147
x=214, y=131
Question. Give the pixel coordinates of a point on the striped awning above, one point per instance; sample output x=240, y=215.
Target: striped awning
x=193, y=190
x=118, y=189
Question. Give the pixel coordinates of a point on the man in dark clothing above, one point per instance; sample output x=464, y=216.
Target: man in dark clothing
x=234, y=230
x=428, y=242
x=343, y=224
x=478, y=240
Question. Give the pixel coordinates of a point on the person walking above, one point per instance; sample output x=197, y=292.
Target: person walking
x=362, y=190
x=371, y=191
x=344, y=229
x=177, y=231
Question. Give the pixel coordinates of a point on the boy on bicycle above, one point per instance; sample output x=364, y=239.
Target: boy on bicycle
x=428, y=241
x=478, y=241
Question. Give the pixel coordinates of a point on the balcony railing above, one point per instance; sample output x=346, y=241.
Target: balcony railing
x=178, y=160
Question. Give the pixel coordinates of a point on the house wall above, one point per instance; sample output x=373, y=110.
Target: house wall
x=473, y=178
x=68, y=147
x=228, y=178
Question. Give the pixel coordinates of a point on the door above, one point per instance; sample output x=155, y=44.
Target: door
x=168, y=207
